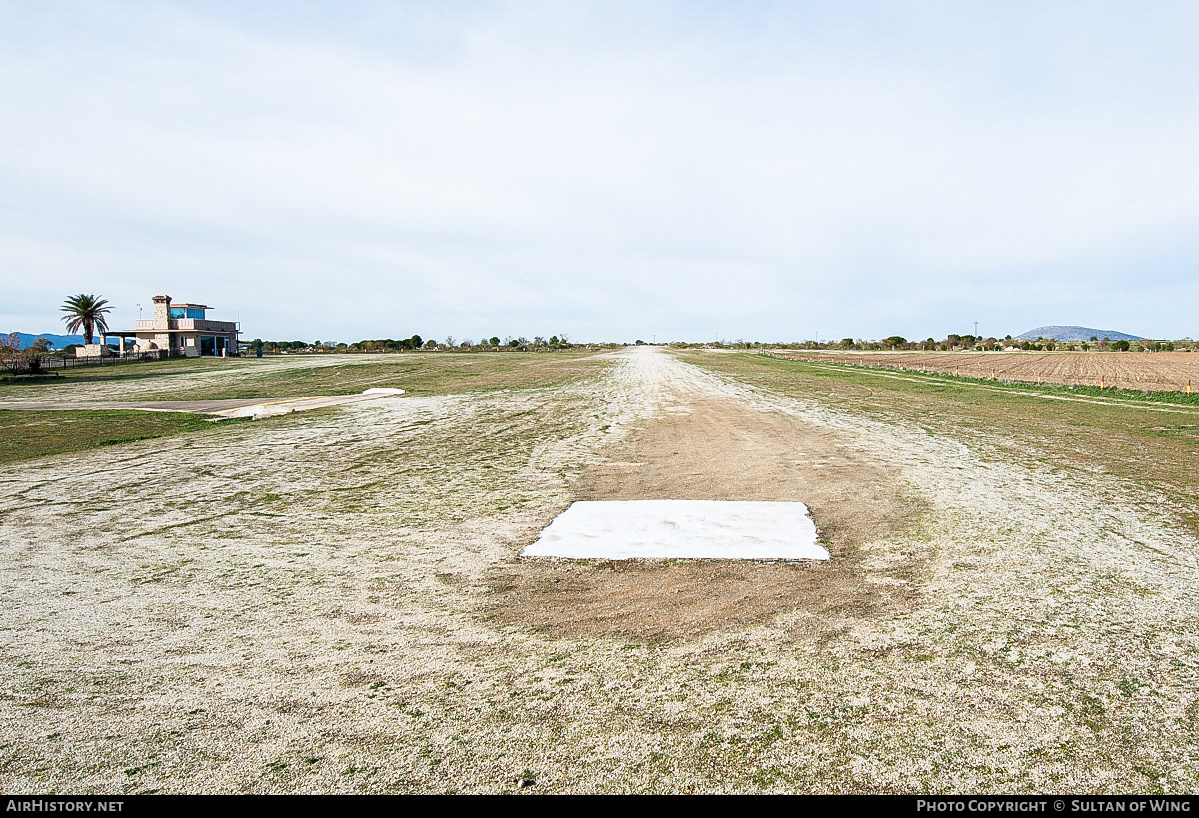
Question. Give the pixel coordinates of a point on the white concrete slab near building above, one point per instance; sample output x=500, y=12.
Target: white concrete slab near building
x=680, y=529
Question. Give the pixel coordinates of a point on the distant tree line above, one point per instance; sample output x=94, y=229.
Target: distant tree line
x=950, y=343
x=416, y=342
x=955, y=343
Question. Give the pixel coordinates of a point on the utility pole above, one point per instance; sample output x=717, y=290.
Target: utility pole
x=975, y=329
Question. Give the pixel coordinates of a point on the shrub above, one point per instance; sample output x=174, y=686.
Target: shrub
x=27, y=361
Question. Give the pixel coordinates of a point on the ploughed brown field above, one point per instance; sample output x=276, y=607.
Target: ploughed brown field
x=1148, y=371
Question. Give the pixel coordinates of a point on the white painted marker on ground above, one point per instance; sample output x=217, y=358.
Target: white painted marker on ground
x=680, y=529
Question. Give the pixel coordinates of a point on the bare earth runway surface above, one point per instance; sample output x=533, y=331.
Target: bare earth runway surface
x=332, y=602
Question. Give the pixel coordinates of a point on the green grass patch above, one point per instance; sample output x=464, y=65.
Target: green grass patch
x=25, y=435
x=309, y=375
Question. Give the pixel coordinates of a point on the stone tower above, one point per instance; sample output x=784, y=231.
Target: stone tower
x=162, y=311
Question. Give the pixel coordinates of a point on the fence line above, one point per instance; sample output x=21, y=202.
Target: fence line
x=51, y=362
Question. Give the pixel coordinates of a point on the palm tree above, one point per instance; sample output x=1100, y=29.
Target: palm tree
x=85, y=311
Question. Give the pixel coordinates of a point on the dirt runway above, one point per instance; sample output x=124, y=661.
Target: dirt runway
x=720, y=449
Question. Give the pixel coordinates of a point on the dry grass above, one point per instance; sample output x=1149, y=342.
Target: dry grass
x=307, y=604
x=1152, y=443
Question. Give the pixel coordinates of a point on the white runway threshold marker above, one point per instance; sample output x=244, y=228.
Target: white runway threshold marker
x=680, y=529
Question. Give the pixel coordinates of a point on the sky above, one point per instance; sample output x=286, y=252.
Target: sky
x=604, y=171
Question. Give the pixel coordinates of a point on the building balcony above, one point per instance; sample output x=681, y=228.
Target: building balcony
x=192, y=324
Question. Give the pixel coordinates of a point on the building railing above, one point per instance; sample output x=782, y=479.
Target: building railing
x=195, y=324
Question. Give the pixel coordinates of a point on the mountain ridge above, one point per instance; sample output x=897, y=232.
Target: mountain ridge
x=1068, y=333
x=56, y=341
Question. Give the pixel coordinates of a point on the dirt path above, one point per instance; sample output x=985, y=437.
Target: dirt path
x=1049, y=612
x=712, y=448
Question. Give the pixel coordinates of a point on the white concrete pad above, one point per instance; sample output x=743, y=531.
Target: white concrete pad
x=680, y=529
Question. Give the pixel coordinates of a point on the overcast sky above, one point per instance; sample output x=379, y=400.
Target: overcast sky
x=680, y=170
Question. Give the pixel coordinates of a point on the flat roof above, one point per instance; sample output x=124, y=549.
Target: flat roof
x=157, y=331
x=193, y=306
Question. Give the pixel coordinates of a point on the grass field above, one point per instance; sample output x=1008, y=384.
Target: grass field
x=332, y=601
x=25, y=435
x=299, y=376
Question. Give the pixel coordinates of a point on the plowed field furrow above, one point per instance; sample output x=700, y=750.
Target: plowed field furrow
x=1147, y=371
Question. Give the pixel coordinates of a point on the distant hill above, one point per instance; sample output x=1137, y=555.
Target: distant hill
x=56, y=341
x=1076, y=334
